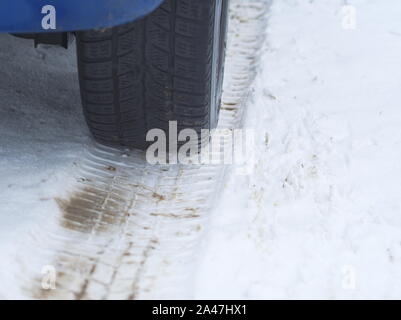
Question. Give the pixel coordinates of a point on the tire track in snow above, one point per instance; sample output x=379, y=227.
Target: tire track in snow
x=130, y=230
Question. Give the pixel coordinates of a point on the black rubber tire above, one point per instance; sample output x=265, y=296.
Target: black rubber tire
x=165, y=67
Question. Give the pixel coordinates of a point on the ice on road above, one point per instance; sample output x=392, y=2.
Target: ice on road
x=320, y=217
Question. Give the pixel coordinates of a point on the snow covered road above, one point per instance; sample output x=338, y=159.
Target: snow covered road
x=318, y=216
x=109, y=225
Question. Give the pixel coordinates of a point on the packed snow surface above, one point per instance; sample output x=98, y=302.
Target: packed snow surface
x=317, y=216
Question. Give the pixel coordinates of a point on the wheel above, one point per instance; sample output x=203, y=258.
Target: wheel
x=165, y=67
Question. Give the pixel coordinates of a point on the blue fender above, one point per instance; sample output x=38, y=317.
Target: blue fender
x=25, y=16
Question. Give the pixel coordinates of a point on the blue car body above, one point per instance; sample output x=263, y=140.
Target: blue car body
x=25, y=16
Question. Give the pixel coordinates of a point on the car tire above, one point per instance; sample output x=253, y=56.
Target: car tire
x=165, y=67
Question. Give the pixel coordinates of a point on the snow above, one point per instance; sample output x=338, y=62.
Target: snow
x=103, y=223
x=42, y=135
x=320, y=215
